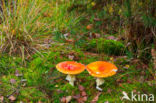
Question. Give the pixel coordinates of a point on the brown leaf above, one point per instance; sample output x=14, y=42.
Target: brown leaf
x=77, y=96
x=12, y=98
x=17, y=74
x=1, y=99
x=70, y=41
x=97, y=19
x=111, y=38
x=63, y=99
x=80, y=100
x=83, y=93
x=134, y=91
x=94, y=35
x=59, y=91
x=39, y=101
x=89, y=27
x=141, y=79
x=81, y=88
x=68, y=99
x=71, y=57
x=24, y=84
x=66, y=35
x=95, y=99
x=129, y=81
x=85, y=98
x=12, y=81
x=120, y=85
x=109, y=90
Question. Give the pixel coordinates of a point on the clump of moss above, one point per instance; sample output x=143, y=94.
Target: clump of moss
x=32, y=95
x=110, y=47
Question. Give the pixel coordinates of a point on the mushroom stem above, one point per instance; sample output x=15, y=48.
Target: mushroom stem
x=99, y=81
x=71, y=79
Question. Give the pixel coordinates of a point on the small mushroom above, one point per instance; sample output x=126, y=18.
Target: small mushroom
x=71, y=68
x=100, y=70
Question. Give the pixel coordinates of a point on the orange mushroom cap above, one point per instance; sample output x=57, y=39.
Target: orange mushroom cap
x=70, y=67
x=101, y=69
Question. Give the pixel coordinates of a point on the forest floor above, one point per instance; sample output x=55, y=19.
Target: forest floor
x=34, y=78
x=39, y=81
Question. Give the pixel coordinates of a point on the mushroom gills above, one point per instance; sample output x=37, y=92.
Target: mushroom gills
x=99, y=81
x=71, y=79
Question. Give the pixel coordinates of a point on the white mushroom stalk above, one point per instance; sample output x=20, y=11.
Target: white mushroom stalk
x=71, y=79
x=99, y=81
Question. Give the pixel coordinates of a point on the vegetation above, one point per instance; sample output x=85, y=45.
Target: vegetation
x=106, y=46
x=38, y=34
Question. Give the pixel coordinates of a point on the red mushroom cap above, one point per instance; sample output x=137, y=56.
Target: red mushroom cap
x=70, y=67
x=101, y=69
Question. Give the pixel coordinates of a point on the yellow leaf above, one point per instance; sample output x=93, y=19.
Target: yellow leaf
x=119, y=11
x=111, y=10
x=93, y=3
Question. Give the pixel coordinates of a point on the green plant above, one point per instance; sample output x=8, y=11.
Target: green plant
x=21, y=23
x=110, y=47
x=32, y=94
x=8, y=64
x=65, y=21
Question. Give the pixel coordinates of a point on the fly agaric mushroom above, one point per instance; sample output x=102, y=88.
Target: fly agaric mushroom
x=100, y=70
x=71, y=68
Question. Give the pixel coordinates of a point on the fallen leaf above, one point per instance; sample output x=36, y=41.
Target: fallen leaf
x=12, y=98
x=120, y=85
x=23, y=80
x=66, y=35
x=17, y=74
x=12, y=81
x=63, y=99
x=1, y=99
x=134, y=91
x=109, y=90
x=141, y=79
x=90, y=26
x=70, y=41
x=71, y=57
x=24, y=84
x=111, y=38
x=126, y=67
x=81, y=88
x=94, y=35
x=39, y=101
x=93, y=3
x=95, y=99
x=59, y=91
x=96, y=19
x=76, y=96
x=150, y=83
x=68, y=99
x=56, y=85
x=80, y=100
x=129, y=81
x=83, y=93
x=85, y=98
x=128, y=44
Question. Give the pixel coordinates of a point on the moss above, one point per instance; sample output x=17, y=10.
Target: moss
x=31, y=94
x=110, y=47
